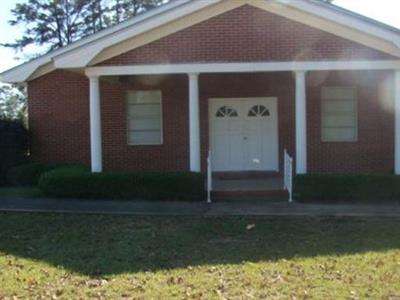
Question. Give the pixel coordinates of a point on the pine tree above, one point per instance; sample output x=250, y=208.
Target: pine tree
x=94, y=17
x=52, y=23
x=125, y=9
x=56, y=23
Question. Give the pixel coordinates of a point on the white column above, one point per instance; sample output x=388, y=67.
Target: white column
x=301, y=123
x=95, y=126
x=194, y=123
x=397, y=122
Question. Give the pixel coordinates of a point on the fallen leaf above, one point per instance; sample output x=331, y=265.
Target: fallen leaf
x=250, y=226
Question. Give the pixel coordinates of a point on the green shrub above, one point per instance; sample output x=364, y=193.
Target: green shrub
x=14, y=146
x=27, y=174
x=75, y=183
x=347, y=188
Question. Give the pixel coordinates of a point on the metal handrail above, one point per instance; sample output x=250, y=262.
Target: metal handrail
x=288, y=175
x=209, y=177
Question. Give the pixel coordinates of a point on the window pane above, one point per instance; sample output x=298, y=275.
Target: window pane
x=339, y=114
x=226, y=111
x=144, y=117
x=144, y=110
x=258, y=110
x=137, y=97
x=144, y=124
x=339, y=93
x=265, y=113
x=252, y=113
x=339, y=105
x=339, y=134
x=339, y=120
x=144, y=137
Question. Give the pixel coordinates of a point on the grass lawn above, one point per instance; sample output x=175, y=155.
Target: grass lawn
x=20, y=192
x=109, y=257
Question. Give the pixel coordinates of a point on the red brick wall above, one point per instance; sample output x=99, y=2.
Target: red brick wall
x=247, y=34
x=59, y=122
x=59, y=118
x=59, y=112
x=374, y=150
x=173, y=154
x=372, y=153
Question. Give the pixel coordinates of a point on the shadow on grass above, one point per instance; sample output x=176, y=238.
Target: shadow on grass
x=105, y=245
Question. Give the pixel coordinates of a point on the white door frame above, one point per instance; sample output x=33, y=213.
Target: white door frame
x=276, y=121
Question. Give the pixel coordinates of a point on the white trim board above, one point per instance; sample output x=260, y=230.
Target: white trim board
x=241, y=67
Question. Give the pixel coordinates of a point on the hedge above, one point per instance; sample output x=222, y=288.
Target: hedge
x=14, y=146
x=333, y=188
x=28, y=174
x=146, y=185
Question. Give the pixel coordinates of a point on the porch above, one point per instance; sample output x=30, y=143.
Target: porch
x=298, y=126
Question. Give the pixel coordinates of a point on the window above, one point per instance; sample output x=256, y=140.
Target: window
x=339, y=114
x=144, y=117
x=226, y=111
x=258, y=110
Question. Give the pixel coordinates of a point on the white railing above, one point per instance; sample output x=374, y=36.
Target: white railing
x=209, y=177
x=288, y=175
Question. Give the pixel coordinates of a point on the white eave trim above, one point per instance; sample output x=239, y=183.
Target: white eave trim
x=241, y=67
x=21, y=73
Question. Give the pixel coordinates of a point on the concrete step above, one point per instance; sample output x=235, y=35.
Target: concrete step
x=246, y=185
x=267, y=195
x=244, y=175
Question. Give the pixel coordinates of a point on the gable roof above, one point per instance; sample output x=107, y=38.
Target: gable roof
x=179, y=14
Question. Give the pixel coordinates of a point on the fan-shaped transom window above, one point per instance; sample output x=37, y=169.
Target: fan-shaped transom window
x=258, y=111
x=226, y=111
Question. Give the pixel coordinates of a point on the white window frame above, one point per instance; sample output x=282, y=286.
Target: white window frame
x=128, y=118
x=339, y=140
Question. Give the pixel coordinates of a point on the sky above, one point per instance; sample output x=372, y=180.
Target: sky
x=386, y=11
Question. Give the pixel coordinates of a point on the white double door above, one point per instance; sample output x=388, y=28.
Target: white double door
x=244, y=134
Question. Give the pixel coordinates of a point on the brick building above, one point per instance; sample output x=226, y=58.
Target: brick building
x=240, y=79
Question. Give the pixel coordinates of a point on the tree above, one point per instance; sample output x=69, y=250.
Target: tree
x=125, y=9
x=95, y=17
x=13, y=104
x=52, y=23
x=57, y=23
